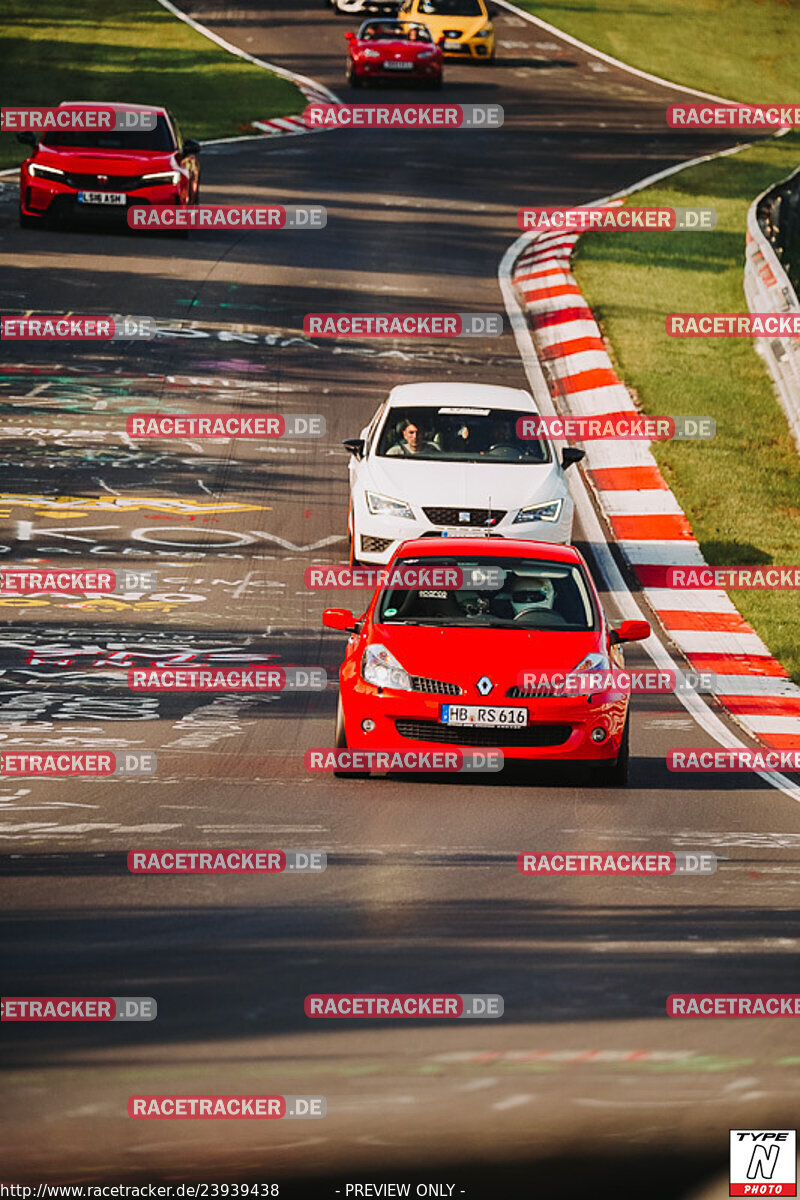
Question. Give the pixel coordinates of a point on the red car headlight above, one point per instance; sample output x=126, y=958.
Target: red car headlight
x=40, y=172
x=161, y=177
x=380, y=668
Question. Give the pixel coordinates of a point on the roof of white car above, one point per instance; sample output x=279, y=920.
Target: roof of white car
x=461, y=395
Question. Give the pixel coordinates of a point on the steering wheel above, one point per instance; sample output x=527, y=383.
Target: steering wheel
x=503, y=450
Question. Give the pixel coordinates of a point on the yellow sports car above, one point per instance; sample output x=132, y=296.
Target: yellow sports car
x=462, y=28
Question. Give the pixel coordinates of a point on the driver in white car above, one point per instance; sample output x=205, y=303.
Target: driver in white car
x=413, y=442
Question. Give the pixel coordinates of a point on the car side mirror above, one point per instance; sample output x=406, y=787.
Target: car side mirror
x=570, y=455
x=27, y=138
x=348, y=37
x=354, y=446
x=339, y=618
x=190, y=146
x=630, y=631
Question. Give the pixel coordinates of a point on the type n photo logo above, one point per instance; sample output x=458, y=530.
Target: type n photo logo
x=763, y=1162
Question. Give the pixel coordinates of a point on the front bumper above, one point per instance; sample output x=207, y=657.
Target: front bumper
x=423, y=70
x=558, y=729
x=480, y=48
x=49, y=199
x=377, y=537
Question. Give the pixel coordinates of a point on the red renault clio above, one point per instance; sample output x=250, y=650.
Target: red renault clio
x=83, y=172
x=430, y=665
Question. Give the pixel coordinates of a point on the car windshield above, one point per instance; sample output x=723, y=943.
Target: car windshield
x=393, y=31
x=450, y=8
x=453, y=434
x=131, y=140
x=533, y=594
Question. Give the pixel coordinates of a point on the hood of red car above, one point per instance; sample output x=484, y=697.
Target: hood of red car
x=463, y=656
x=397, y=50
x=103, y=162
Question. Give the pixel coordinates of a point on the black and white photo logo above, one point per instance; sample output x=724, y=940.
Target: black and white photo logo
x=763, y=1162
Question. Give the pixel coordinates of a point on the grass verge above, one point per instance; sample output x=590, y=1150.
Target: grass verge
x=739, y=49
x=740, y=491
x=132, y=50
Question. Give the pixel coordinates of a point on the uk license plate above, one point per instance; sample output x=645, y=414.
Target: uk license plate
x=485, y=715
x=101, y=197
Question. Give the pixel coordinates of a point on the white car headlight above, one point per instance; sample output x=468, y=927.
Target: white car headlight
x=163, y=177
x=370, y=53
x=592, y=662
x=46, y=172
x=549, y=511
x=385, y=506
x=380, y=668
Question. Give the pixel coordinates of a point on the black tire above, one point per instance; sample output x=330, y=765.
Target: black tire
x=615, y=773
x=353, y=79
x=340, y=742
x=436, y=84
x=27, y=222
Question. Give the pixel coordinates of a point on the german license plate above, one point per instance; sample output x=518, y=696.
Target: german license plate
x=101, y=197
x=487, y=716
x=464, y=531
x=398, y=66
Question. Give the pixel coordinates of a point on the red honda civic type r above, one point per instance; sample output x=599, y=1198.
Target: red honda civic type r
x=427, y=665
x=83, y=172
x=393, y=50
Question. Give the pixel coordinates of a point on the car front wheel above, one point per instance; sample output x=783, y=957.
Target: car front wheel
x=340, y=742
x=615, y=772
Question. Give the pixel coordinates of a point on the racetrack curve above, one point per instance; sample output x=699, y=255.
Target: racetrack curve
x=584, y=1074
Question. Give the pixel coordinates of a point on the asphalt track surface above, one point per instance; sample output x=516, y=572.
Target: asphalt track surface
x=422, y=891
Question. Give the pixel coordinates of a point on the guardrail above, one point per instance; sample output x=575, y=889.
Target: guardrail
x=773, y=233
